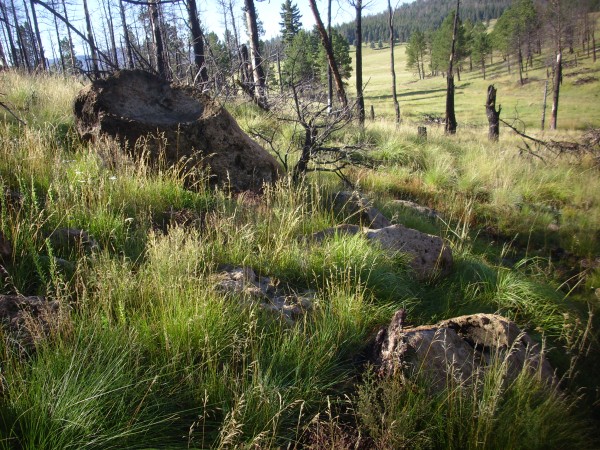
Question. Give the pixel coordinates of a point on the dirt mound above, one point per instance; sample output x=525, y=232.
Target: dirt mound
x=174, y=123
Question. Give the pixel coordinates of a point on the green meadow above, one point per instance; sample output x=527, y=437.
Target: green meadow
x=150, y=354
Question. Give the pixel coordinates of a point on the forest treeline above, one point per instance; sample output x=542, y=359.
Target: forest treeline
x=422, y=15
x=171, y=39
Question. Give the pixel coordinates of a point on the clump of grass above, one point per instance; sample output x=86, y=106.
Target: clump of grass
x=488, y=412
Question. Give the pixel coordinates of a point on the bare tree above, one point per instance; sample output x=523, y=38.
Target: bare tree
x=197, y=41
x=326, y=42
x=450, y=121
x=90, y=39
x=392, y=61
x=255, y=57
x=38, y=37
x=360, y=100
x=11, y=42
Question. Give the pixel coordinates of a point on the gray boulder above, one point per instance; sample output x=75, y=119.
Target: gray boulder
x=458, y=348
x=430, y=256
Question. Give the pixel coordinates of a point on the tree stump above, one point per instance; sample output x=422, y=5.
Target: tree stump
x=493, y=115
x=422, y=133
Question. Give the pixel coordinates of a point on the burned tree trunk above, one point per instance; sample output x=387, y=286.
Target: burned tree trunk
x=339, y=85
x=129, y=51
x=360, y=99
x=197, y=41
x=159, y=50
x=392, y=62
x=450, y=125
x=557, y=82
x=493, y=115
x=88, y=24
x=258, y=71
x=11, y=42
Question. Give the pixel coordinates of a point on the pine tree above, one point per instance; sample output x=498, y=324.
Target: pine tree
x=290, y=21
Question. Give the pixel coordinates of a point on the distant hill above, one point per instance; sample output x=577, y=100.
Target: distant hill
x=423, y=15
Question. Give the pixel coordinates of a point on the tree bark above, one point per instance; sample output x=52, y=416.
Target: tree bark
x=20, y=40
x=11, y=42
x=339, y=85
x=111, y=33
x=69, y=37
x=257, y=67
x=197, y=41
x=329, y=73
x=128, y=46
x=544, y=105
x=360, y=100
x=38, y=38
x=91, y=42
x=159, y=49
x=450, y=122
x=60, y=54
x=493, y=115
x=555, y=97
x=392, y=63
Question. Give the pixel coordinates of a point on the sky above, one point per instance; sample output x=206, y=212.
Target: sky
x=212, y=17
x=268, y=12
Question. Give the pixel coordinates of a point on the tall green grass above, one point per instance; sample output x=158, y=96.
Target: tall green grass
x=154, y=355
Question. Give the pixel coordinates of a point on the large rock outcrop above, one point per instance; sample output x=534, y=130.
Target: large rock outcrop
x=457, y=348
x=174, y=123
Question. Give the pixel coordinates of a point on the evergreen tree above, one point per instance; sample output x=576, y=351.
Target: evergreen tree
x=441, y=45
x=481, y=46
x=415, y=52
x=290, y=21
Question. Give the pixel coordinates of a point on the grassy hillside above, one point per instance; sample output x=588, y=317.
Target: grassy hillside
x=579, y=107
x=149, y=353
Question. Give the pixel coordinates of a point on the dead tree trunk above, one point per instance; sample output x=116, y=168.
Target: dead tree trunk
x=197, y=42
x=20, y=40
x=111, y=33
x=38, y=38
x=392, y=63
x=88, y=24
x=493, y=115
x=450, y=125
x=159, y=49
x=329, y=73
x=255, y=57
x=11, y=42
x=70, y=38
x=128, y=45
x=339, y=85
x=555, y=96
x=544, y=105
x=360, y=100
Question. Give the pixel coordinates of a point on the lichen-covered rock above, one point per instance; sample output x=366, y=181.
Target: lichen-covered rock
x=244, y=283
x=457, y=348
x=28, y=319
x=174, y=124
x=354, y=206
x=430, y=256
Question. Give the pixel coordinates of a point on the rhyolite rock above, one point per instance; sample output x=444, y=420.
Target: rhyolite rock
x=26, y=320
x=244, y=283
x=429, y=255
x=164, y=122
x=457, y=348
